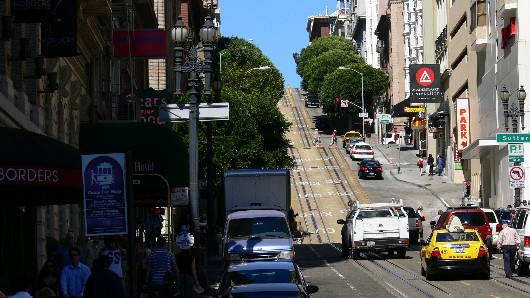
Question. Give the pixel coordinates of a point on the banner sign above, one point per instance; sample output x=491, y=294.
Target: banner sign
x=462, y=127
x=105, y=194
x=425, y=83
x=59, y=32
x=32, y=11
x=147, y=43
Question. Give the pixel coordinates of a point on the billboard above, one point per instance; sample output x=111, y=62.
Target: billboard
x=425, y=84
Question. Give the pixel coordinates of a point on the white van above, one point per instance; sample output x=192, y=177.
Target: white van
x=388, y=138
x=521, y=224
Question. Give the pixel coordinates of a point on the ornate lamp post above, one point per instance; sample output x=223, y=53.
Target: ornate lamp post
x=514, y=111
x=193, y=66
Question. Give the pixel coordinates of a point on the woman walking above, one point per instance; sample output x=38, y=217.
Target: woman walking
x=419, y=163
x=430, y=162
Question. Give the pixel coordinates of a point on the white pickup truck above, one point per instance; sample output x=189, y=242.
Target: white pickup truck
x=375, y=227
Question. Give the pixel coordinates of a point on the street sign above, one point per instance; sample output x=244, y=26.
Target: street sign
x=384, y=118
x=207, y=112
x=363, y=115
x=515, y=149
x=516, y=174
x=513, y=138
x=515, y=158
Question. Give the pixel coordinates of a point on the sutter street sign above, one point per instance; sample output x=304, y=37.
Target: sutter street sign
x=513, y=138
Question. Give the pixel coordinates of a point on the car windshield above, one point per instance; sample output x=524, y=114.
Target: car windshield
x=275, y=294
x=505, y=215
x=258, y=227
x=456, y=237
x=374, y=213
x=491, y=216
x=363, y=147
x=471, y=218
x=370, y=163
x=260, y=276
x=353, y=135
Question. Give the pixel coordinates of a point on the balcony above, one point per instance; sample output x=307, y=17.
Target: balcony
x=506, y=6
x=479, y=38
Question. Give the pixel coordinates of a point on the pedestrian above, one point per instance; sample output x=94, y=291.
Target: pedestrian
x=159, y=263
x=142, y=253
x=421, y=216
x=62, y=256
x=525, y=203
x=48, y=278
x=21, y=285
x=92, y=252
x=316, y=138
x=115, y=253
x=508, y=242
x=440, y=163
x=419, y=163
x=152, y=225
x=436, y=218
x=189, y=283
x=74, y=276
x=103, y=282
x=333, y=138
x=430, y=163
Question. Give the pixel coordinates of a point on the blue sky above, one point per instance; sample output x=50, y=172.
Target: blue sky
x=277, y=27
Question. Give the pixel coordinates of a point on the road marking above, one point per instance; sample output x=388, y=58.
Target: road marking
x=445, y=203
x=465, y=283
x=323, y=230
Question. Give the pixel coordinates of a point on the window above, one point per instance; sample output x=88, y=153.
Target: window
x=471, y=218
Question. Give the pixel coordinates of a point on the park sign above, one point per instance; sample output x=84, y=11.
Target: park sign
x=513, y=138
x=425, y=83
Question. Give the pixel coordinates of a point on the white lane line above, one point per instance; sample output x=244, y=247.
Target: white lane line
x=445, y=203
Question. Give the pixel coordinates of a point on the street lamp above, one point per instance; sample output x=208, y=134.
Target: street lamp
x=193, y=66
x=513, y=111
x=362, y=91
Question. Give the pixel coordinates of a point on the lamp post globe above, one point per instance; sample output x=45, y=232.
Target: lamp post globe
x=505, y=95
x=521, y=93
x=179, y=32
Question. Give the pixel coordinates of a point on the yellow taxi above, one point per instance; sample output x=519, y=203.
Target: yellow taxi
x=352, y=134
x=454, y=250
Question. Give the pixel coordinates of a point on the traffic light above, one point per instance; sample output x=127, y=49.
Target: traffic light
x=468, y=189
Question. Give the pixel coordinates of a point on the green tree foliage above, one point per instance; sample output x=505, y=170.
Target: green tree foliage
x=319, y=46
x=254, y=137
x=317, y=68
x=347, y=84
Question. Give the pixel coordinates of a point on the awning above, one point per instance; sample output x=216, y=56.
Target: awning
x=406, y=109
x=159, y=155
x=479, y=148
x=36, y=170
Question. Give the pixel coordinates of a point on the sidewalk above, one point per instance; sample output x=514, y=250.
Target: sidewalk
x=448, y=192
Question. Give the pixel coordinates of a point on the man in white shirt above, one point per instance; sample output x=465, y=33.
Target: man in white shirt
x=508, y=241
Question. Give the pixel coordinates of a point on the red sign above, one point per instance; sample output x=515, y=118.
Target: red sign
x=508, y=32
x=462, y=117
x=150, y=43
x=34, y=175
x=425, y=76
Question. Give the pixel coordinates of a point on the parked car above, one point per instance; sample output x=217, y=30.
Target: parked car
x=350, y=143
x=454, y=250
x=415, y=224
x=362, y=151
x=370, y=168
x=492, y=217
x=312, y=101
x=388, y=138
x=352, y=134
x=260, y=273
x=267, y=290
x=521, y=223
x=471, y=218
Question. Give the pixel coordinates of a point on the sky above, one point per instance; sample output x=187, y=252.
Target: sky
x=277, y=27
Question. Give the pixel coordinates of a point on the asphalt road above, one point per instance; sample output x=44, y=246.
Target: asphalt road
x=324, y=180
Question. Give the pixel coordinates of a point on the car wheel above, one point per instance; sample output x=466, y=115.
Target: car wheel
x=428, y=275
x=402, y=253
x=520, y=266
x=422, y=271
x=413, y=237
x=356, y=254
x=486, y=276
x=345, y=249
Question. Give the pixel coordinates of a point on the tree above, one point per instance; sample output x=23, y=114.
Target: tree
x=319, y=46
x=254, y=137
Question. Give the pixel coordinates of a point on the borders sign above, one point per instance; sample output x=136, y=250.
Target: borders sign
x=425, y=83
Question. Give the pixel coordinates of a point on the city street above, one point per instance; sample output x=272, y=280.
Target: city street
x=325, y=179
